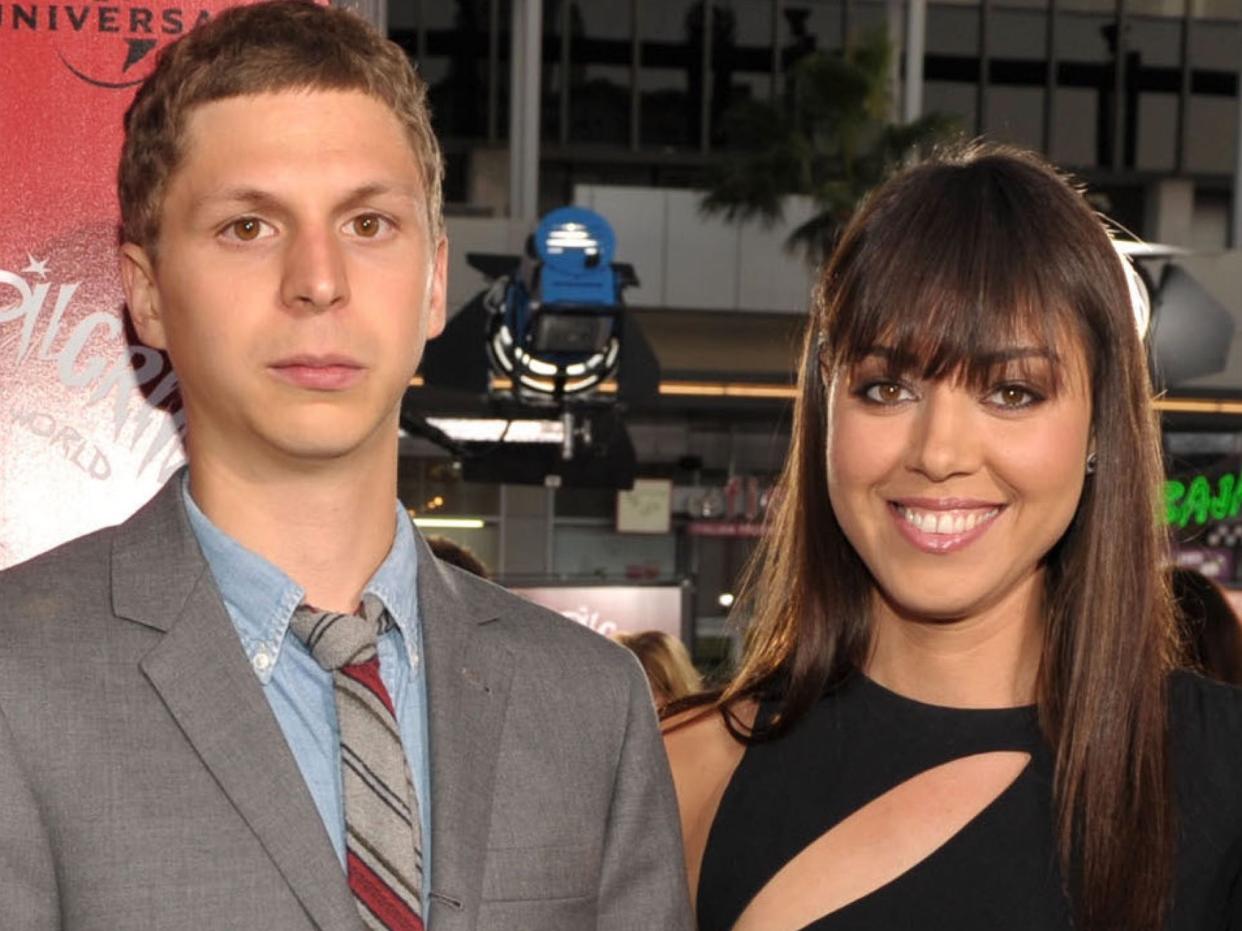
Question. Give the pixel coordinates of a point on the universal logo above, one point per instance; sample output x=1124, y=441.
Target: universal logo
x=106, y=44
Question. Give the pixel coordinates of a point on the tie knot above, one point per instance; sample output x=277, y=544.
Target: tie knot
x=337, y=640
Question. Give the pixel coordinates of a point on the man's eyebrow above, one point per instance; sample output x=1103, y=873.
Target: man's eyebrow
x=366, y=192
x=240, y=196
x=265, y=200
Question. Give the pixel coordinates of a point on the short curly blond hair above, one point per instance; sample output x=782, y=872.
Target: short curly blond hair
x=264, y=48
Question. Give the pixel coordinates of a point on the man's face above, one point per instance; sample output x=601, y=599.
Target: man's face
x=295, y=284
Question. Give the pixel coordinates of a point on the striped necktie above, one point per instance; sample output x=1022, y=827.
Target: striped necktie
x=383, y=835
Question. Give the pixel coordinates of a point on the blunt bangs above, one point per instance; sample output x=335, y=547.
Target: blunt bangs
x=959, y=270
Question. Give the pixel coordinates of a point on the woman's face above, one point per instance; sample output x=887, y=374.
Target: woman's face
x=952, y=495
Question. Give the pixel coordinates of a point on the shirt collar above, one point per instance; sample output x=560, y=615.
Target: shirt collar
x=261, y=598
x=395, y=583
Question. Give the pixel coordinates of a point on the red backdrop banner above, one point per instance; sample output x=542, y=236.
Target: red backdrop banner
x=89, y=425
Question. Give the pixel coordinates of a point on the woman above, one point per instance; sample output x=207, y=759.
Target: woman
x=956, y=708
x=666, y=662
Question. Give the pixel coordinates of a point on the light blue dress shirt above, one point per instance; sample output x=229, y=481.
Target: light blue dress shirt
x=261, y=600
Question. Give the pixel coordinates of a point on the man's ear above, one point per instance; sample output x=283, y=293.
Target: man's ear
x=142, y=295
x=437, y=290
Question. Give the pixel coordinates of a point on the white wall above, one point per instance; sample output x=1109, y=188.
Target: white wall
x=687, y=260
x=684, y=260
x=477, y=234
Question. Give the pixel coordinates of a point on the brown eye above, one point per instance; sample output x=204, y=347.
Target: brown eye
x=367, y=226
x=247, y=229
x=886, y=392
x=1014, y=397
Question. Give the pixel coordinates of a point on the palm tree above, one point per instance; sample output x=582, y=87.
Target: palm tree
x=829, y=138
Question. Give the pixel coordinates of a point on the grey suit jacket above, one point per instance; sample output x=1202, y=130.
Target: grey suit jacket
x=145, y=782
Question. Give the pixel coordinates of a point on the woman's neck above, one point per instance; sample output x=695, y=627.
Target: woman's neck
x=989, y=659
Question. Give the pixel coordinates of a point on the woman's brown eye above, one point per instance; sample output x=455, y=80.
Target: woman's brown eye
x=1012, y=396
x=247, y=229
x=887, y=393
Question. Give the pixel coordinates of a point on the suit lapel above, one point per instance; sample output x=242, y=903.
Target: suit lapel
x=468, y=678
x=200, y=672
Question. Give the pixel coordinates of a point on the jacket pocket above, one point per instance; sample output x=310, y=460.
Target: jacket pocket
x=531, y=873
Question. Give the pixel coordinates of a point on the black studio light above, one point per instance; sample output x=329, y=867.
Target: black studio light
x=517, y=375
x=554, y=327
x=1188, y=332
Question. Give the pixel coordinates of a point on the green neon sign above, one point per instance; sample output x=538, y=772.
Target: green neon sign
x=1200, y=501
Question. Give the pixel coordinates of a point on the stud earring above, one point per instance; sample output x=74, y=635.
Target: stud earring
x=1092, y=461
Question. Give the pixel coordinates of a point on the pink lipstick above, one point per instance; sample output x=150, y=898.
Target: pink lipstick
x=943, y=525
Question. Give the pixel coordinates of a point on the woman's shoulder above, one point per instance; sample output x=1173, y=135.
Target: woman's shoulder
x=699, y=736
x=703, y=752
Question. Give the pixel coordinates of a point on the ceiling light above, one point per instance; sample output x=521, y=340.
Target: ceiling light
x=498, y=430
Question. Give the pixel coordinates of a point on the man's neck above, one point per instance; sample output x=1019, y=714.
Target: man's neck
x=328, y=528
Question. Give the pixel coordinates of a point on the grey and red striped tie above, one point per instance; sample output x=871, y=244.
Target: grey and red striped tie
x=383, y=835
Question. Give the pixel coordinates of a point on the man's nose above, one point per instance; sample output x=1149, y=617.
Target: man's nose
x=315, y=275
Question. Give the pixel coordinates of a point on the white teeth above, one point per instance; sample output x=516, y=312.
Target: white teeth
x=947, y=522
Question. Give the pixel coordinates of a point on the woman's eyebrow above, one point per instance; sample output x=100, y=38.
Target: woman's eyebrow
x=895, y=358
x=903, y=360
x=1002, y=356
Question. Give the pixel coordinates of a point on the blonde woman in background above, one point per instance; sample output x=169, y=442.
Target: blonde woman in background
x=667, y=664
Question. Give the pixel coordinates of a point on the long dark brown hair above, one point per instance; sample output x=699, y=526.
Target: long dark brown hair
x=947, y=261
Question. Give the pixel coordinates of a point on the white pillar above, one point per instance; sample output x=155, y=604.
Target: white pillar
x=1235, y=240
x=1169, y=211
x=524, y=60
x=916, y=43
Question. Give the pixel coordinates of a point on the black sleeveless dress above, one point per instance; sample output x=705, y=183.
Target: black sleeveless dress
x=1000, y=872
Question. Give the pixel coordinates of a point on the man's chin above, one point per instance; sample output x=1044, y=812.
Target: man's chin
x=323, y=448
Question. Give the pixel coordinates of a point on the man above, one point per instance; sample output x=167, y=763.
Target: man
x=177, y=750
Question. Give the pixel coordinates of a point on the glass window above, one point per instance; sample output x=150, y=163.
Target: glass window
x=598, y=75
x=448, y=43
x=599, y=552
